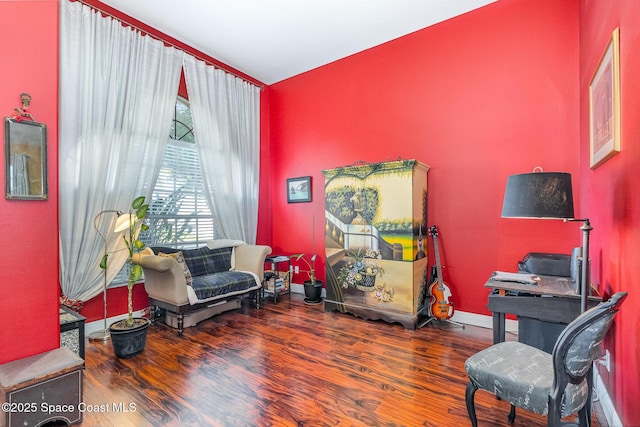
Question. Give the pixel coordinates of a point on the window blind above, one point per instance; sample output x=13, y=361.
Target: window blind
x=178, y=213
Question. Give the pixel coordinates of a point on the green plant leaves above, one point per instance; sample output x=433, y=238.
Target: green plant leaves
x=141, y=212
x=137, y=202
x=135, y=273
x=140, y=208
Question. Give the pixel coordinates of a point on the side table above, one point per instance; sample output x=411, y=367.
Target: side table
x=271, y=286
x=72, y=331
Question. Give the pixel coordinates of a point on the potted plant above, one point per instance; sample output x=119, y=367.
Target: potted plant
x=129, y=335
x=313, y=286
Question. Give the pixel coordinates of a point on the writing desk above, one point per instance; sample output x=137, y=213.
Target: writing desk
x=543, y=309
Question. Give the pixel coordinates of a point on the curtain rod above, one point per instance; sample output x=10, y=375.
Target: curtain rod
x=167, y=42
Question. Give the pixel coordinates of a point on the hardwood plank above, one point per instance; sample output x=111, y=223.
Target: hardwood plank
x=291, y=364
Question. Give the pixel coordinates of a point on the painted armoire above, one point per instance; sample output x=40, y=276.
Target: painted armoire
x=376, y=251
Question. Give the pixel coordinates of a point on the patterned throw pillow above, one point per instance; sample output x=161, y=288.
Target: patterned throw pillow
x=180, y=260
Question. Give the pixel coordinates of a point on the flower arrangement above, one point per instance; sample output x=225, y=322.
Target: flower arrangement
x=361, y=271
x=384, y=294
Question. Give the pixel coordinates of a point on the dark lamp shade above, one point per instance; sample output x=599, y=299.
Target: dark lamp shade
x=538, y=195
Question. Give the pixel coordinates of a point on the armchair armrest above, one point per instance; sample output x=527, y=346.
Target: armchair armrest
x=163, y=278
x=251, y=258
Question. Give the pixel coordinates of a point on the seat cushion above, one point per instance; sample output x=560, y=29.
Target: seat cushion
x=224, y=283
x=204, y=261
x=522, y=375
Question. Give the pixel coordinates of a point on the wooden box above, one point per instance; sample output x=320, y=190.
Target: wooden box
x=42, y=388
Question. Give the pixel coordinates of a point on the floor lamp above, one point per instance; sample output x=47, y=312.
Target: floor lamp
x=122, y=223
x=547, y=195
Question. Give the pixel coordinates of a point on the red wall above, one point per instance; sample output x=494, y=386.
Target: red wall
x=610, y=196
x=495, y=92
x=29, y=261
x=478, y=98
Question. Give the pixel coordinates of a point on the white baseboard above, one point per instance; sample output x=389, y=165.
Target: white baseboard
x=299, y=289
x=98, y=325
x=613, y=420
x=483, y=321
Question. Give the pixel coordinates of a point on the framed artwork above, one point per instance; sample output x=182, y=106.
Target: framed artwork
x=299, y=189
x=25, y=159
x=604, y=105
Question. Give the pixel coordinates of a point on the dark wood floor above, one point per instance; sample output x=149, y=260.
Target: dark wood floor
x=291, y=364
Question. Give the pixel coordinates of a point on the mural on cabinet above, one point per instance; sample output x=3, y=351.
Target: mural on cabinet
x=375, y=228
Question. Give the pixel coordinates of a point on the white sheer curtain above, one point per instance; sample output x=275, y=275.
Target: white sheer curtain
x=117, y=94
x=226, y=122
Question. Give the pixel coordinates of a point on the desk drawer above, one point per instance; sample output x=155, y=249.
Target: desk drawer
x=549, y=309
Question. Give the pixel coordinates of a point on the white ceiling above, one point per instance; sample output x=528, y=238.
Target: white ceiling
x=271, y=40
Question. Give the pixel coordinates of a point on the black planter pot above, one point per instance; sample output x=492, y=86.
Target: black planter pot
x=313, y=292
x=129, y=342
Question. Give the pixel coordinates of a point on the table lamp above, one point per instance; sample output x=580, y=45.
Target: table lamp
x=122, y=223
x=547, y=195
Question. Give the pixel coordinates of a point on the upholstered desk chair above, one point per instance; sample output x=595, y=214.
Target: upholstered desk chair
x=557, y=384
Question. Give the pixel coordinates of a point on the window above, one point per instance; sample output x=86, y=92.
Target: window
x=178, y=213
x=182, y=124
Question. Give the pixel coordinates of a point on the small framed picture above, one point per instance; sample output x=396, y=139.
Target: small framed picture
x=299, y=189
x=604, y=105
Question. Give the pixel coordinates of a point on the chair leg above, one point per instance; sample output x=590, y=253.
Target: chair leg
x=583, y=420
x=471, y=406
x=554, y=417
x=512, y=415
x=584, y=416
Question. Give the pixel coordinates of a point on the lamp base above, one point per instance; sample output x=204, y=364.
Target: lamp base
x=101, y=335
